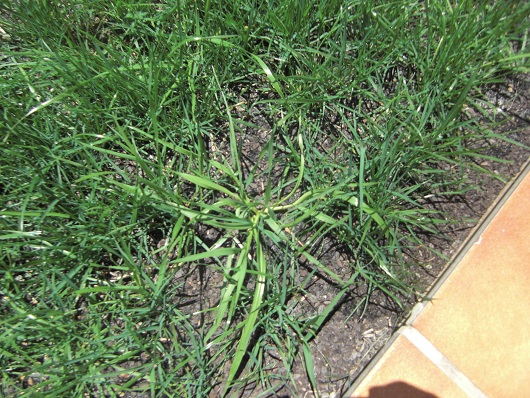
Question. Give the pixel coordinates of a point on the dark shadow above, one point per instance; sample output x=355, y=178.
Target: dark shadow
x=399, y=389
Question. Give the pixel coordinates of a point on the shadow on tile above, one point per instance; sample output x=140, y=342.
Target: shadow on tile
x=398, y=390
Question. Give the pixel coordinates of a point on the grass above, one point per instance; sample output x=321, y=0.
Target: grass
x=172, y=173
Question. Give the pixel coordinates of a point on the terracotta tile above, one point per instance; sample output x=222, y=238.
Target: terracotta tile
x=404, y=372
x=479, y=318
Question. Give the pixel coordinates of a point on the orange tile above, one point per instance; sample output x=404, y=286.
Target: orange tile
x=479, y=318
x=404, y=372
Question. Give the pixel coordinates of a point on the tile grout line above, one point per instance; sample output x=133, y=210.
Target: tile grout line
x=444, y=364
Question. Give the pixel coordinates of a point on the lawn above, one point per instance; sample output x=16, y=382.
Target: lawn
x=175, y=175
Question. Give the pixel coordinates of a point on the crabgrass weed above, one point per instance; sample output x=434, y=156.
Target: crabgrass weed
x=172, y=172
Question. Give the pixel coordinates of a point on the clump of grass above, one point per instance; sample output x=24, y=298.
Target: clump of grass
x=171, y=172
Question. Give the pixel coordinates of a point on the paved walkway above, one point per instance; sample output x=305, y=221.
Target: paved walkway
x=473, y=338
